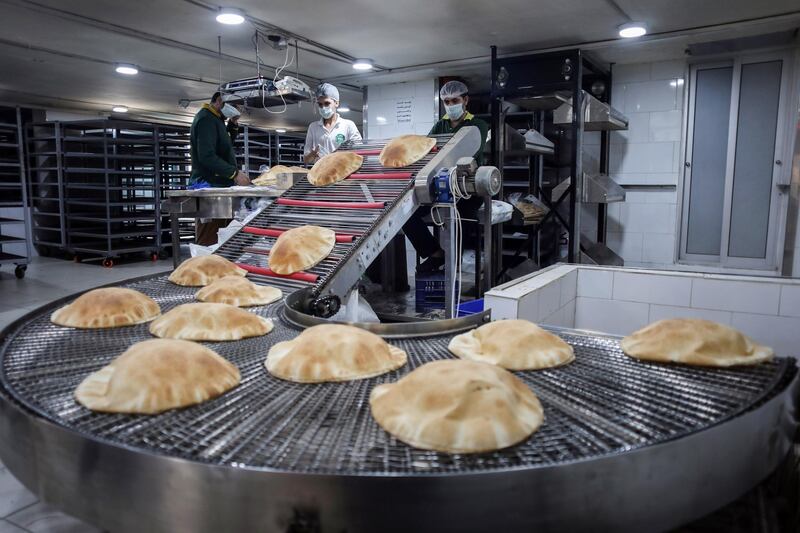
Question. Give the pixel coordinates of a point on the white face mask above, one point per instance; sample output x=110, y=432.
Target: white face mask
x=327, y=112
x=454, y=111
x=229, y=111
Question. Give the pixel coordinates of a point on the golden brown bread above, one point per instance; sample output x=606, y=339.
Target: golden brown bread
x=300, y=249
x=406, y=150
x=457, y=406
x=156, y=375
x=209, y=322
x=695, y=342
x=513, y=344
x=107, y=308
x=202, y=270
x=333, y=352
x=334, y=167
x=238, y=291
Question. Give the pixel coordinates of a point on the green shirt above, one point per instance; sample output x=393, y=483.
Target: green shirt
x=213, y=158
x=444, y=126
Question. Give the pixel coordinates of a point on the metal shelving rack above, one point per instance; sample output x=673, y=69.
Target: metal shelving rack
x=535, y=80
x=14, y=244
x=95, y=187
x=288, y=149
x=45, y=177
x=253, y=150
x=174, y=165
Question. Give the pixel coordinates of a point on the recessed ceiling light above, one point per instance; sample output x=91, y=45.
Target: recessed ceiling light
x=280, y=130
x=343, y=109
x=119, y=109
x=230, y=15
x=632, y=29
x=381, y=120
x=362, y=64
x=127, y=69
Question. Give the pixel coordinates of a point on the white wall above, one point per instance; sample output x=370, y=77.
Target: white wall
x=620, y=301
x=642, y=229
x=400, y=108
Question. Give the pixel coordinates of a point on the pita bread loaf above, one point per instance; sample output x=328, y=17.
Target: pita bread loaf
x=109, y=307
x=299, y=169
x=202, y=270
x=333, y=352
x=156, y=375
x=300, y=249
x=694, y=342
x=457, y=406
x=406, y=150
x=334, y=167
x=513, y=344
x=238, y=291
x=209, y=322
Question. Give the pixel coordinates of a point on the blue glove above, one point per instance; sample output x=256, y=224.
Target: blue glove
x=199, y=185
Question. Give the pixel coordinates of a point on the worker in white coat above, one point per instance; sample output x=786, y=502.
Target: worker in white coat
x=328, y=133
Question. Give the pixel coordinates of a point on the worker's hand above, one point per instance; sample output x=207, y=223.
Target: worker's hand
x=312, y=156
x=241, y=178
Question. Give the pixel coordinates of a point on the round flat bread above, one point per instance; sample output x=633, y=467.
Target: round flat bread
x=334, y=167
x=694, y=342
x=333, y=352
x=299, y=169
x=109, y=307
x=406, y=150
x=156, y=375
x=204, y=269
x=513, y=344
x=457, y=406
x=300, y=249
x=209, y=322
x=238, y=291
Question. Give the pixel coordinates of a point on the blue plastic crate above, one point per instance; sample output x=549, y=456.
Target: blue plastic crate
x=430, y=292
x=470, y=308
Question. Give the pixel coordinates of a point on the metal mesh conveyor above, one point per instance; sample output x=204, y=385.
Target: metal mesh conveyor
x=603, y=403
x=603, y=414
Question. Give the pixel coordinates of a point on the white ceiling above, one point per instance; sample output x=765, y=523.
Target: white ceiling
x=59, y=53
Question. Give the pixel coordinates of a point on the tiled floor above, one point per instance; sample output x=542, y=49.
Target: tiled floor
x=46, y=280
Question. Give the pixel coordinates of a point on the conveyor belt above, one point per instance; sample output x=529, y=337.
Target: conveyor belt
x=371, y=184
x=625, y=445
x=604, y=403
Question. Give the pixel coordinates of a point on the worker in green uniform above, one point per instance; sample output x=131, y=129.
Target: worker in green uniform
x=455, y=96
x=213, y=158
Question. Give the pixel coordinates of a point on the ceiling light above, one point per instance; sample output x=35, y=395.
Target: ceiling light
x=230, y=15
x=343, y=109
x=280, y=130
x=126, y=68
x=632, y=29
x=676, y=82
x=380, y=120
x=119, y=109
x=362, y=64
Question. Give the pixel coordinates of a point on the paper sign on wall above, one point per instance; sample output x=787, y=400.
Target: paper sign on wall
x=403, y=110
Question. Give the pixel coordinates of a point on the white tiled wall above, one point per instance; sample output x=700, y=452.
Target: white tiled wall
x=622, y=300
x=382, y=108
x=547, y=297
x=642, y=229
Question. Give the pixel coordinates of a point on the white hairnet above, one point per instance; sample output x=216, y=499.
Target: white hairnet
x=326, y=89
x=453, y=88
